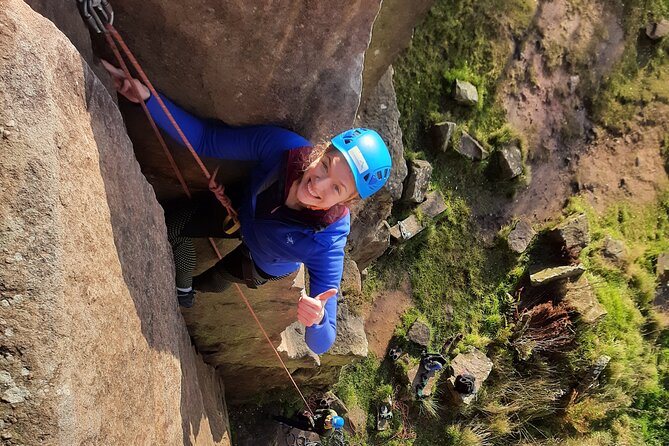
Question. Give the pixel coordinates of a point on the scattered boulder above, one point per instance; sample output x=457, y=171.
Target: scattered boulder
x=520, y=236
x=471, y=148
x=420, y=334
x=418, y=180
x=657, y=30
x=474, y=362
x=556, y=273
x=466, y=93
x=433, y=205
x=442, y=134
x=351, y=281
x=573, y=234
x=510, y=162
x=580, y=298
x=614, y=250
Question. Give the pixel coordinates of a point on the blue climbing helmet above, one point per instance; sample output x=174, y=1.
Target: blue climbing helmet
x=337, y=422
x=367, y=156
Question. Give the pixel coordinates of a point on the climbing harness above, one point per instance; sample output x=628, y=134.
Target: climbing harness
x=99, y=16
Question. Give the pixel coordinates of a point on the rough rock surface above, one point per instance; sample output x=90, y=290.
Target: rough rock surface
x=392, y=33
x=369, y=238
x=442, y=134
x=573, y=234
x=419, y=333
x=658, y=30
x=305, y=64
x=414, y=378
x=418, y=181
x=351, y=283
x=357, y=420
x=510, y=162
x=475, y=363
x=580, y=297
x=466, y=93
x=614, y=250
x=92, y=336
x=556, y=273
x=471, y=148
x=520, y=236
x=433, y=205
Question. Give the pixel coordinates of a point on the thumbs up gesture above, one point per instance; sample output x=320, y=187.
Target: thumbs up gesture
x=310, y=310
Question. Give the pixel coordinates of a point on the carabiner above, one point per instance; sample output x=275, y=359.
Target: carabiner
x=96, y=13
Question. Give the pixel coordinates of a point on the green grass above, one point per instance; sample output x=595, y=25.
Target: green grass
x=635, y=389
x=458, y=40
x=642, y=75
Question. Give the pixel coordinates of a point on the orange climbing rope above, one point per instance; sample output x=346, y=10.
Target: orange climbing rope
x=218, y=190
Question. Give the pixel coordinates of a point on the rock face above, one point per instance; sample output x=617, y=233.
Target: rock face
x=225, y=333
x=442, y=134
x=418, y=181
x=556, y=273
x=369, y=236
x=93, y=340
x=392, y=33
x=580, y=298
x=466, y=93
x=573, y=234
x=305, y=64
x=520, y=236
x=471, y=148
x=658, y=30
x=510, y=162
x=351, y=282
x=475, y=363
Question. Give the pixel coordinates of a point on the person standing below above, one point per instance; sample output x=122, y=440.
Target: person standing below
x=292, y=210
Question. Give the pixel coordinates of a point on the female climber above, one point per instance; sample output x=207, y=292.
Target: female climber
x=293, y=209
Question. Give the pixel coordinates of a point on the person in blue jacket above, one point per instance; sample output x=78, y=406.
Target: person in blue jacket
x=293, y=210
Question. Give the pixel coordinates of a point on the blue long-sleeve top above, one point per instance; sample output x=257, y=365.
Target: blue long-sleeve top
x=277, y=247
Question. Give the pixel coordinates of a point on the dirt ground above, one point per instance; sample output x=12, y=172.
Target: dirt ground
x=384, y=315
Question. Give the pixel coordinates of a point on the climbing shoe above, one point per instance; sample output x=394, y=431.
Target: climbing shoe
x=186, y=298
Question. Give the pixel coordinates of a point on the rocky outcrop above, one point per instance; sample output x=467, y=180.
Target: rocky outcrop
x=471, y=148
x=573, y=234
x=369, y=236
x=614, y=250
x=419, y=333
x=658, y=30
x=520, y=236
x=580, y=298
x=392, y=33
x=442, y=134
x=475, y=363
x=94, y=350
x=418, y=181
x=509, y=162
x=433, y=205
x=466, y=93
x=556, y=273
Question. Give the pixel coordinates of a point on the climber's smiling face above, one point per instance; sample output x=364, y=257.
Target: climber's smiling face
x=326, y=182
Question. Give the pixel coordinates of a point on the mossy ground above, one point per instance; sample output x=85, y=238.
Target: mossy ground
x=461, y=284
